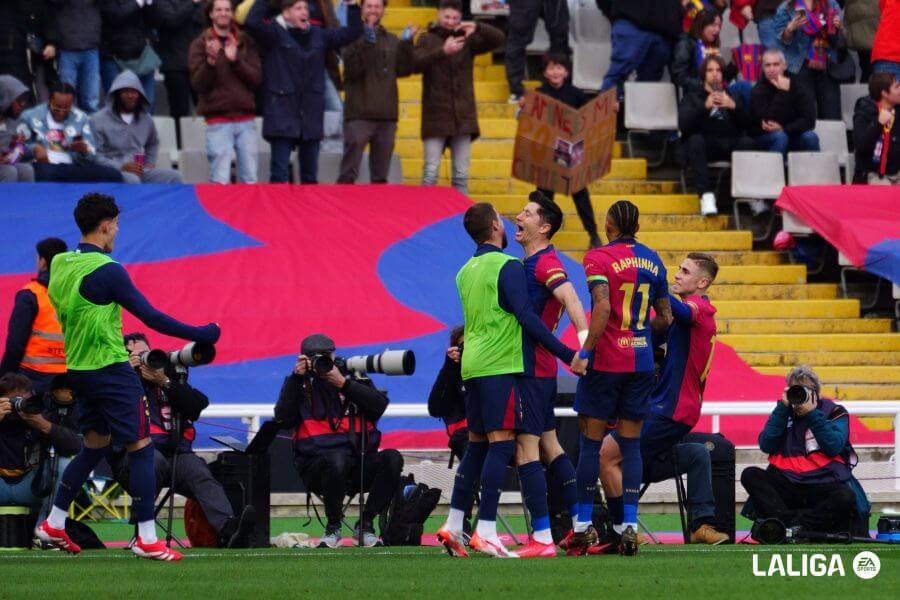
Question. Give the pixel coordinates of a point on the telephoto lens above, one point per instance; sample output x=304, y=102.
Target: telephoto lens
x=194, y=354
x=389, y=362
x=32, y=405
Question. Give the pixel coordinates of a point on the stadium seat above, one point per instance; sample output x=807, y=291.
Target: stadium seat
x=833, y=138
x=813, y=168
x=194, y=166
x=850, y=93
x=729, y=36
x=592, y=49
x=263, y=166
x=193, y=133
x=168, y=142
x=846, y=267
x=756, y=176
x=262, y=144
x=650, y=107
x=720, y=166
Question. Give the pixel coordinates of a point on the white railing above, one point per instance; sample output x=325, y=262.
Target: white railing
x=251, y=414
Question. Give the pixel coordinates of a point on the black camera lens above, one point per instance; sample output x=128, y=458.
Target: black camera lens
x=797, y=395
x=321, y=364
x=32, y=405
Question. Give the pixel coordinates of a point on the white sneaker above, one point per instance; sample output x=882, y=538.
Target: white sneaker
x=758, y=207
x=708, y=205
x=514, y=98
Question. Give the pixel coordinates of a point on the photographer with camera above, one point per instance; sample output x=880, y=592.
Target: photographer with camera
x=447, y=399
x=808, y=483
x=174, y=406
x=326, y=407
x=29, y=426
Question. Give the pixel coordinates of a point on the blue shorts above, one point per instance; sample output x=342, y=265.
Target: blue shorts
x=537, y=396
x=492, y=403
x=604, y=395
x=111, y=401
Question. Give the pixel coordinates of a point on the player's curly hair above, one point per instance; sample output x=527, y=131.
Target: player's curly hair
x=624, y=215
x=92, y=209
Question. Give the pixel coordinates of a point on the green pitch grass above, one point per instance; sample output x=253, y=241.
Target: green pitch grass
x=658, y=572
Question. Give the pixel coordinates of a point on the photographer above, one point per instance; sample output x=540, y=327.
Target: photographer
x=447, y=399
x=26, y=434
x=323, y=407
x=808, y=482
x=168, y=399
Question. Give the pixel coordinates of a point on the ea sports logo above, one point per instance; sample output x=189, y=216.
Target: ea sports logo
x=866, y=565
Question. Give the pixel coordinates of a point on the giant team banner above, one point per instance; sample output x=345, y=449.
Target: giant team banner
x=372, y=266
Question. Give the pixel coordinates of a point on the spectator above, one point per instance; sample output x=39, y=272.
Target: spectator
x=22, y=31
x=13, y=98
x=321, y=13
x=861, y=20
x=809, y=482
x=294, y=80
x=782, y=114
x=178, y=23
x=643, y=32
x=126, y=136
x=692, y=8
x=523, y=18
x=712, y=122
x=125, y=43
x=77, y=25
x=693, y=47
x=557, y=85
x=445, y=55
x=60, y=141
x=764, y=14
x=876, y=136
x=809, y=36
x=226, y=72
x=886, y=47
x=372, y=65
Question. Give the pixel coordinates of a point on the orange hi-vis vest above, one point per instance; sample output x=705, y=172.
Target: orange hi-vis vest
x=45, y=352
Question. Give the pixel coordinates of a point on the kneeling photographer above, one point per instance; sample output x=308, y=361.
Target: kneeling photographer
x=808, y=487
x=324, y=405
x=30, y=425
x=174, y=405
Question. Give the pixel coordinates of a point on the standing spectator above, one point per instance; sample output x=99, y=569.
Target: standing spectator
x=13, y=98
x=861, y=20
x=523, y=18
x=372, y=65
x=61, y=142
x=643, y=32
x=809, y=35
x=782, y=113
x=886, y=47
x=126, y=136
x=445, y=54
x=294, y=80
x=321, y=14
x=125, y=43
x=876, y=136
x=764, y=15
x=23, y=30
x=226, y=72
x=178, y=23
x=77, y=26
x=711, y=122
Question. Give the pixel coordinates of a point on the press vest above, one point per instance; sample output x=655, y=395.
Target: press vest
x=493, y=343
x=93, y=332
x=801, y=460
x=45, y=351
x=325, y=425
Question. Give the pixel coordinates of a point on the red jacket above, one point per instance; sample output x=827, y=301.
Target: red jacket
x=887, y=38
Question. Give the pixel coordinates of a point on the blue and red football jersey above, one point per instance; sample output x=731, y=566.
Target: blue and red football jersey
x=545, y=272
x=690, y=342
x=636, y=278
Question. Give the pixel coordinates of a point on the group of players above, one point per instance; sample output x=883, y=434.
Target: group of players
x=511, y=309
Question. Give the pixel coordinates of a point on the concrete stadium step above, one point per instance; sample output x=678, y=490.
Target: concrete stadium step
x=883, y=342
x=502, y=149
x=768, y=274
x=491, y=187
x=823, y=359
x=860, y=391
x=397, y=17
x=503, y=129
x=869, y=374
x=485, y=91
x=489, y=168
x=412, y=109
x=775, y=325
x=655, y=204
x=722, y=257
x=820, y=291
x=672, y=240
x=789, y=309
x=652, y=222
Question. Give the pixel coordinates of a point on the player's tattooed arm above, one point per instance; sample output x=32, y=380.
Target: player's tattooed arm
x=663, y=317
x=599, y=317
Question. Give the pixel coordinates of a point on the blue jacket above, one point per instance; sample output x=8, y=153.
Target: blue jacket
x=33, y=127
x=796, y=52
x=294, y=71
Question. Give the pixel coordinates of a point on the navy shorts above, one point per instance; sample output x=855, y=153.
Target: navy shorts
x=491, y=403
x=537, y=396
x=607, y=396
x=111, y=401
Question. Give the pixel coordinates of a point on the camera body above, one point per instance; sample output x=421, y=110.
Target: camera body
x=799, y=394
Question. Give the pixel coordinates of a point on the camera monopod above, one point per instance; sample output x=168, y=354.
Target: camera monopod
x=356, y=412
x=181, y=373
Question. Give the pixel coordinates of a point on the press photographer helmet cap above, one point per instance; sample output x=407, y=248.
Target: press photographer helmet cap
x=317, y=343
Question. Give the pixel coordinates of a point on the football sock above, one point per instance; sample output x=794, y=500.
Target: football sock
x=492, y=475
x=632, y=474
x=614, y=504
x=467, y=475
x=562, y=476
x=142, y=486
x=455, y=520
x=586, y=480
x=534, y=490
x=72, y=480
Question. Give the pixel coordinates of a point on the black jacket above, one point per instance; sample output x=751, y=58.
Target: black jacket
x=694, y=117
x=178, y=23
x=684, y=67
x=18, y=18
x=867, y=131
x=127, y=28
x=659, y=16
x=23, y=449
x=794, y=110
x=76, y=23
x=566, y=93
x=179, y=398
x=447, y=399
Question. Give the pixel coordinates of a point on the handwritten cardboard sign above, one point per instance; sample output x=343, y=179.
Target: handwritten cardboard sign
x=562, y=148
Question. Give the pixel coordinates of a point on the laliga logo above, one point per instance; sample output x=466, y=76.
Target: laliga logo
x=866, y=565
